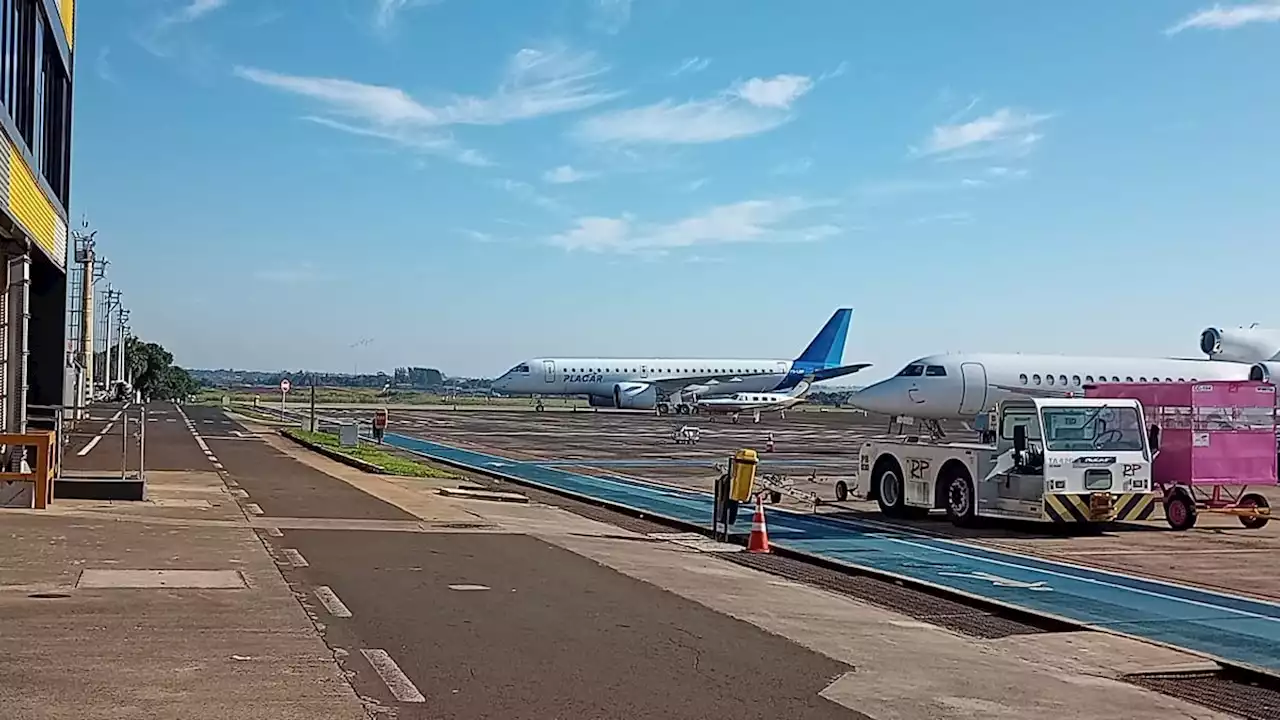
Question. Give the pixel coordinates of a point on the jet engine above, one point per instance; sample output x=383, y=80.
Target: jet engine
x=600, y=401
x=635, y=396
x=1249, y=345
x=1265, y=372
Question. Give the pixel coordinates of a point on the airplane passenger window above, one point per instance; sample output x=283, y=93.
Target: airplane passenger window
x=1022, y=378
x=935, y=371
x=1128, y=378
x=1115, y=379
x=1168, y=380
x=1035, y=379
x=1062, y=379
x=1075, y=379
x=1142, y=379
x=1181, y=380
x=912, y=371
x=1088, y=378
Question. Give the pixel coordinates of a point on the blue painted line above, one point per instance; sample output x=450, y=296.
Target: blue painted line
x=660, y=462
x=1235, y=629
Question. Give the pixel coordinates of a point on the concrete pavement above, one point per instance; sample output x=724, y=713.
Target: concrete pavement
x=166, y=609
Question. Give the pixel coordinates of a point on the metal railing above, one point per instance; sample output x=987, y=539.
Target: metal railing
x=125, y=427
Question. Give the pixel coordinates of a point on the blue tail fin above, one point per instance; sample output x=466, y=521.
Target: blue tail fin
x=827, y=349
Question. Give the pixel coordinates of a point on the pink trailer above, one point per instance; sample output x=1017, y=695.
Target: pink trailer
x=1216, y=440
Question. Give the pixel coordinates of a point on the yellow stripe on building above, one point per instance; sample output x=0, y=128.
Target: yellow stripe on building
x=29, y=204
x=67, y=9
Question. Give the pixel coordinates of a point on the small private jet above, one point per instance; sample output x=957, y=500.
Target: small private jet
x=754, y=402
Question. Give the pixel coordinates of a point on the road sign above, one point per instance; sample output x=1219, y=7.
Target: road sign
x=284, y=385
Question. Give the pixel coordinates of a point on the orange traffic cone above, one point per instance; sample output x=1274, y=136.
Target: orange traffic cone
x=758, y=541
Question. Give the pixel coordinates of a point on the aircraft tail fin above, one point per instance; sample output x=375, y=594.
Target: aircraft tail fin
x=827, y=347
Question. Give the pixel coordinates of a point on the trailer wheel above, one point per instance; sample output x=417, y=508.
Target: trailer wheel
x=842, y=491
x=1180, y=510
x=961, y=505
x=889, y=487
x=775, y=497
x=1254, y=500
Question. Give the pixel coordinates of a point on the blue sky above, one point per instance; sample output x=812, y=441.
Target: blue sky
x=466, y=183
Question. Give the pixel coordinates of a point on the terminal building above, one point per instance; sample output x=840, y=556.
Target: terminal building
x=36, y=50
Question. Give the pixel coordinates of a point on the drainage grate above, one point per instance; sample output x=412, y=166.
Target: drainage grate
x=923, y=606
x=1251, y=697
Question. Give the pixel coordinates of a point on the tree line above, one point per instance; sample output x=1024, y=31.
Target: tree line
x=154, y=374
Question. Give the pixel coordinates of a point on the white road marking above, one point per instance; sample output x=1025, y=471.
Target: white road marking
x=275, y=532
x=468, y=587
x=240, y=492
x=101, y=433
x=401, y=687
x=295, y=558
x=254, y=508
x=330, y=600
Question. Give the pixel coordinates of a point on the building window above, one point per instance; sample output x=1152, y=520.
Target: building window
x=35, y=90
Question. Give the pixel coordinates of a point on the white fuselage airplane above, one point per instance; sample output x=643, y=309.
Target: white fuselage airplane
x=962, y=386
x=637, y=383
x=754, y=403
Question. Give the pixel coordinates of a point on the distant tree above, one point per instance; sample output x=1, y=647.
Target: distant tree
x=153, y=372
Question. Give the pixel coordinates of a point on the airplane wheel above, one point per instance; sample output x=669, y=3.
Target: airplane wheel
x=775, y=497
x=682, y=409
x=842, y=491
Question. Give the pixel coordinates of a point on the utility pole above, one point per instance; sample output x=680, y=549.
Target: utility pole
x=123, y=323
x=89, y=269
x=110, y=301
x=124, y=336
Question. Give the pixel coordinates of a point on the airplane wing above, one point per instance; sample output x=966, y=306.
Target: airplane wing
x=676, y=384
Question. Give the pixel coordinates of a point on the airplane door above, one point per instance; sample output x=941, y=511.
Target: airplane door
x=974, y=398
x=644, y=371
x=549, y=369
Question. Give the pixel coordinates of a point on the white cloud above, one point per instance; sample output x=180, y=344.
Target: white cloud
x=103, y=65
x=1005, y=131
x=566, y=174
x=535, y=83
x=799, y=166
x=526, y=192
x=751, y=221
x=1226, y=18
x=777, y=92
x=611, y=16
x=755, y=106
x=386, y=11
x=954, y=218
x=195, y=10
x=691, y=65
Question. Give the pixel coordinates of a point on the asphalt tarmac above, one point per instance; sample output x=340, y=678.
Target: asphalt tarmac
x=479, y=625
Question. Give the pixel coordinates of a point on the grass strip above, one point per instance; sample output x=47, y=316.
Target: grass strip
x=389, y=462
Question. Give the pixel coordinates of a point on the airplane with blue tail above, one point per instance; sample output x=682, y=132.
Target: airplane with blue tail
x=649, y=383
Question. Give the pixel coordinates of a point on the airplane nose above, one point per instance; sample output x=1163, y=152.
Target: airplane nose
x=877, y=398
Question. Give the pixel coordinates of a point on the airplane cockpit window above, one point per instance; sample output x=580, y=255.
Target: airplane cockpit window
x=912, y=371
x=935, y=371
x=521, y=368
